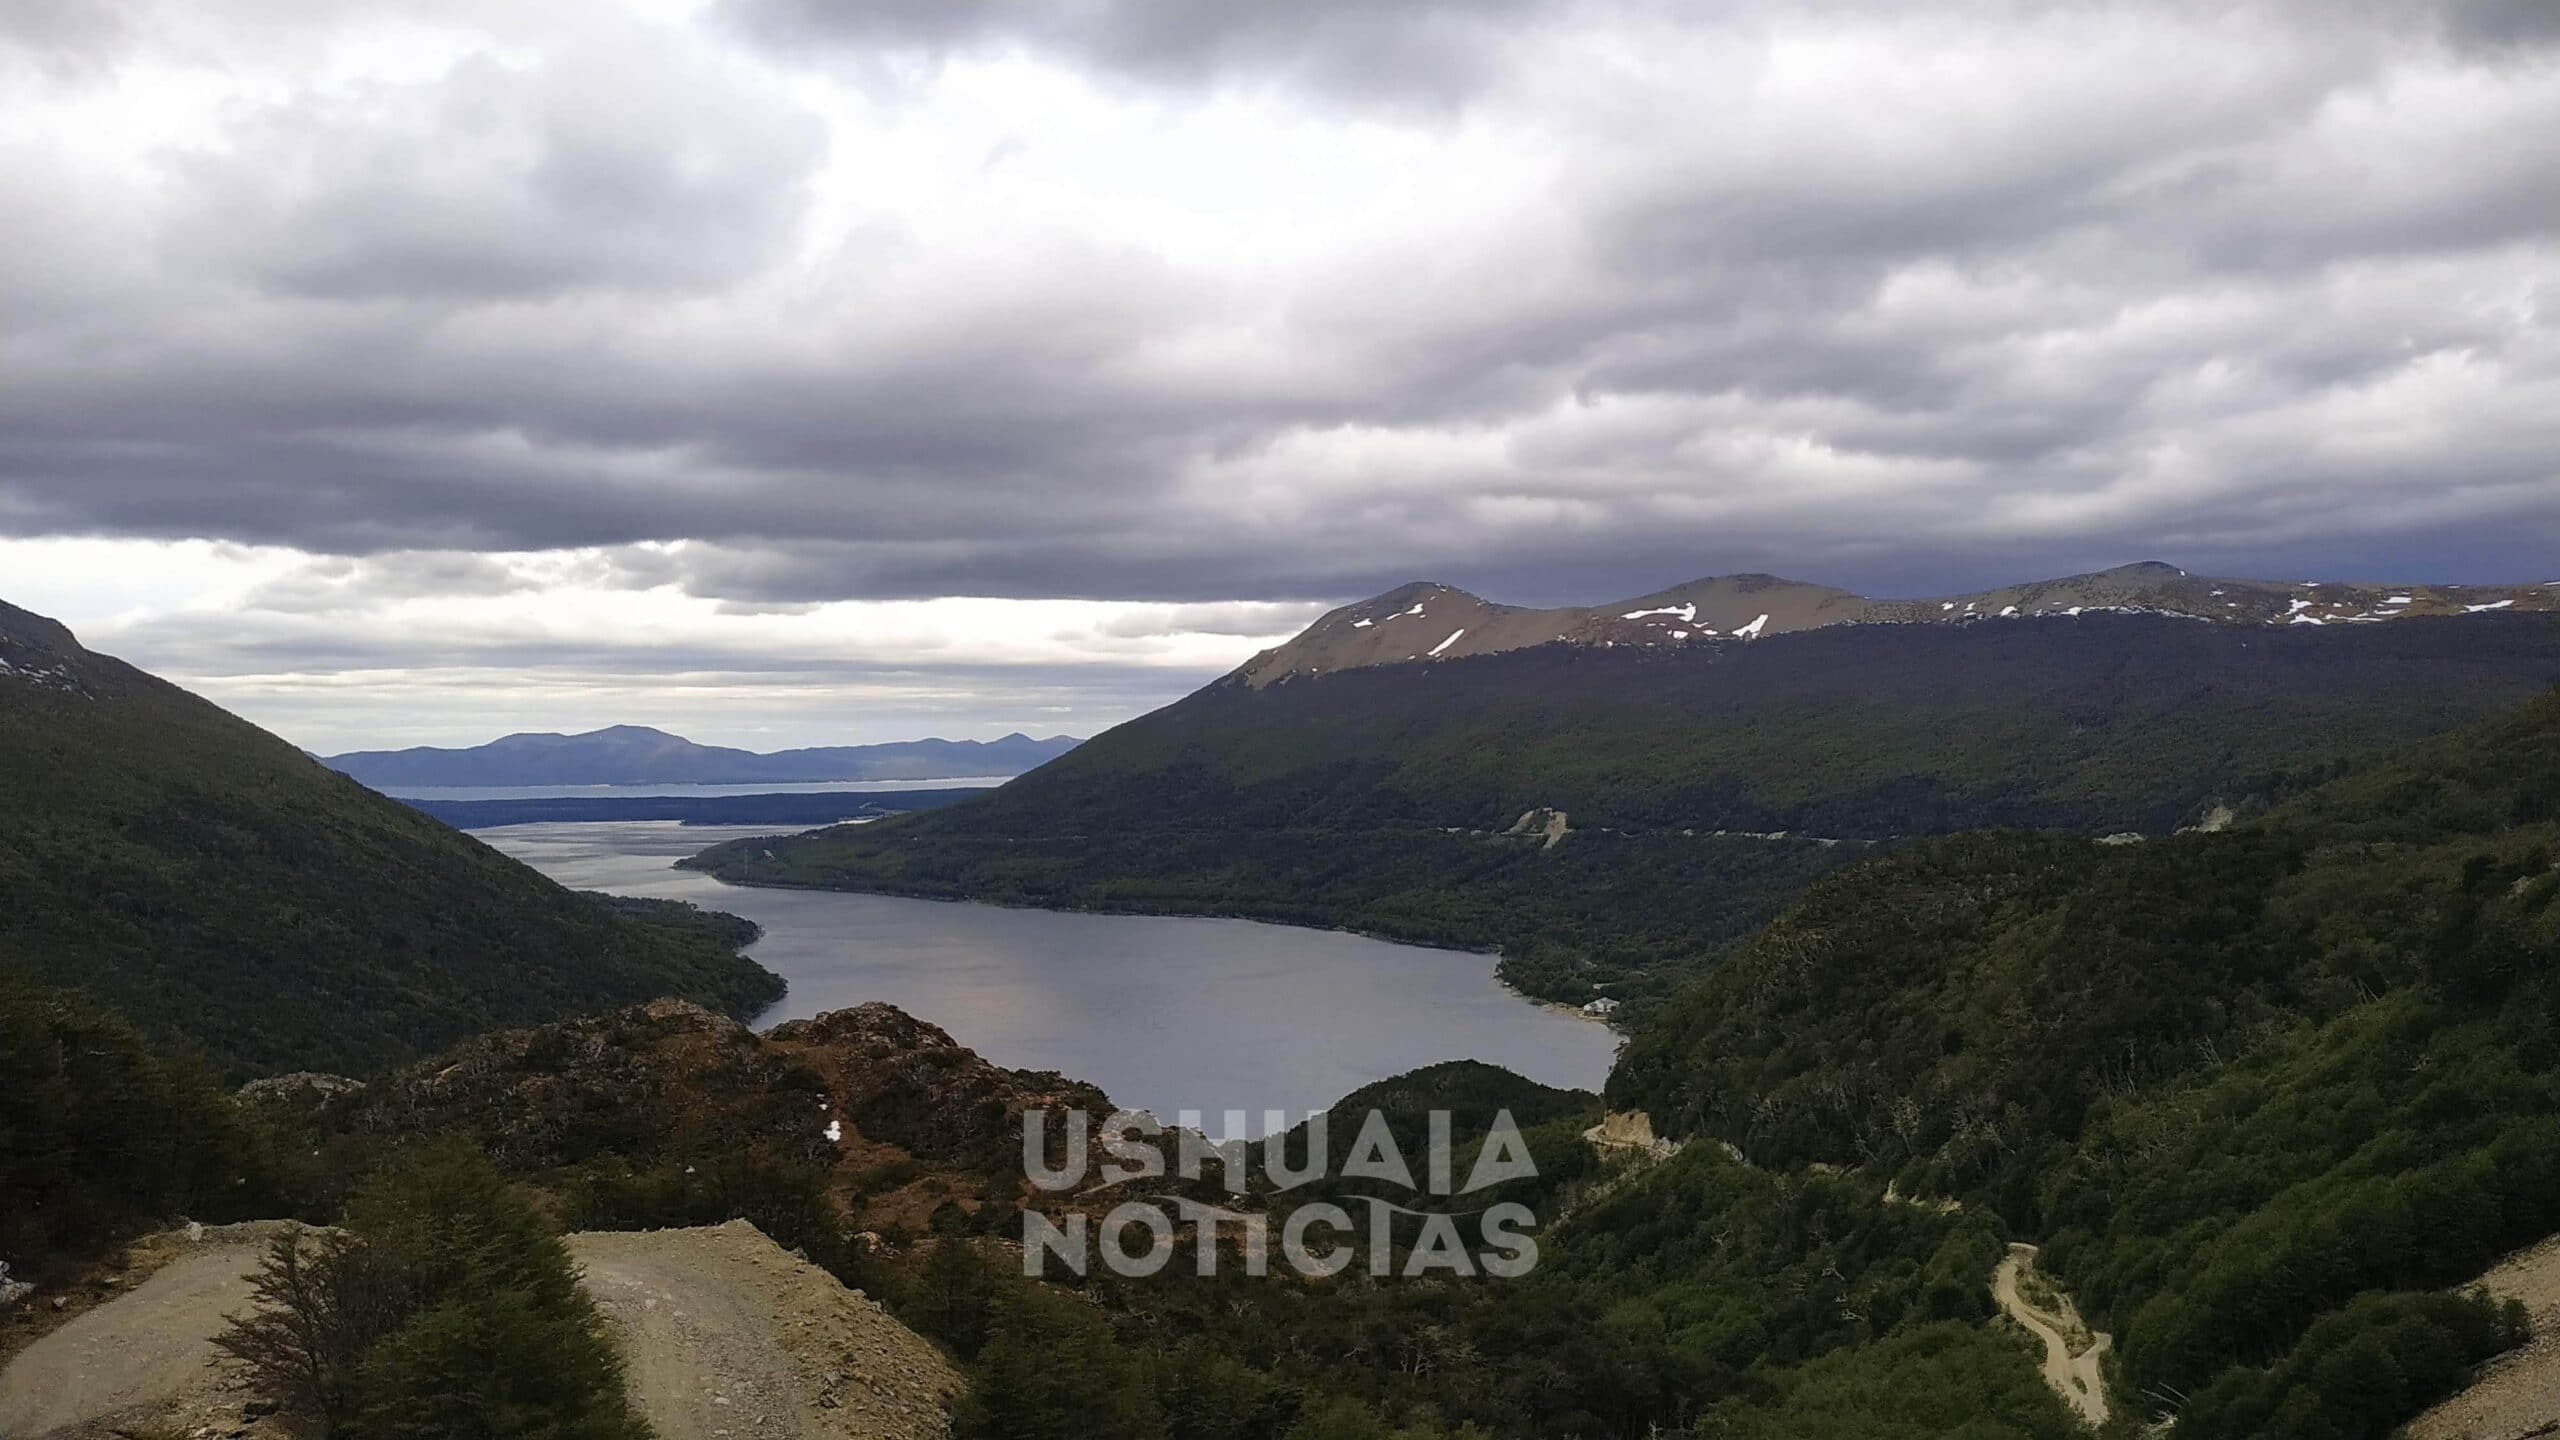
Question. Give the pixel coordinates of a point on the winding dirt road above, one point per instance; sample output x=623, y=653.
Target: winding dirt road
x=2076, y=1378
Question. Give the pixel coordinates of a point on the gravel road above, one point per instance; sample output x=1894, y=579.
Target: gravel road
x=146, y=1356
x=723, y=1333
x=726, y=1335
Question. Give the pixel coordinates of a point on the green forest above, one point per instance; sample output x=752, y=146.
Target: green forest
x=2266, y=1098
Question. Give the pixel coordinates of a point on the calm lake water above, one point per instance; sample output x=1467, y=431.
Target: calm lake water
x=1165, y=1014
x=654, y=791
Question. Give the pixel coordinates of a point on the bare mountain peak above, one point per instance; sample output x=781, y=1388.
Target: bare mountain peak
x=1427, y=621
x=36, y=632
x=42, y=653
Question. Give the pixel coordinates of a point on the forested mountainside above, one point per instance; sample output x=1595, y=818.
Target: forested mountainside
x=2266, y=1098
x=211, y=881
x=2259, y=1091
x=1697, y=788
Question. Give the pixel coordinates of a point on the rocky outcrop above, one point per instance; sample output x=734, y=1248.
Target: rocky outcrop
x=895, y=1114
x=301, y=1088
x=908, y=1083
x=1629, y=1132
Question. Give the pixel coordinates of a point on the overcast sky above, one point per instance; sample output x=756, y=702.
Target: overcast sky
x=792, y=371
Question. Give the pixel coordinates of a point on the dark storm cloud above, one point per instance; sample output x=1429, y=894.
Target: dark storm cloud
x=499, y=183
x=1952, y=293
x=2517, y=24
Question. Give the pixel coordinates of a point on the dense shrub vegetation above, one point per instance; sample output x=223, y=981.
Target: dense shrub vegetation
x=102, y=1135
x=2257, y=1089
x=2267, y=1096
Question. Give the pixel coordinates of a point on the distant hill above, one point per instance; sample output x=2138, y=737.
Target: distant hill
x=208, y=879
x=788, y=810
x=1606, y=813
x=638, y=755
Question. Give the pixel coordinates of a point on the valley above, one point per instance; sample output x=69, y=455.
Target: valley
x=2214, y=974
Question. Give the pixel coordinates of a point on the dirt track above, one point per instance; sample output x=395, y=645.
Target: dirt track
x=2517, y=1396
x=2076, y=1378
x=724, y=1334
x=146, y=1356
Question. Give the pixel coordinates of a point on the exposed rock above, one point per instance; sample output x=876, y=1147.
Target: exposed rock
x=908, y=1083
x=1541, y=821
x=2216, y=817
x=302, y=1087
x=1629, y=1131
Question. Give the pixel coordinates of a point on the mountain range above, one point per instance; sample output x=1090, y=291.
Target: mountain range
x=1612, y=807
x=638, y=755
x=1427, y=621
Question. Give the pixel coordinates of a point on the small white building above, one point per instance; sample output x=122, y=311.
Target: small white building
x=1600, y=1007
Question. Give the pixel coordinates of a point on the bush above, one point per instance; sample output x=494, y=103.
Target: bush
x=2358, y=1370
x=1051, y=1371
x=101, y=1136
x=448, y=1307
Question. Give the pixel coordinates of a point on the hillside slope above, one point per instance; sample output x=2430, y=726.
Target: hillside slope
x=1377, y=797
x=2264, y=1093
x=210, y=880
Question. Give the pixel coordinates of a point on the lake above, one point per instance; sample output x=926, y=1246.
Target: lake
x=1164, y=1013
x=663, y=789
